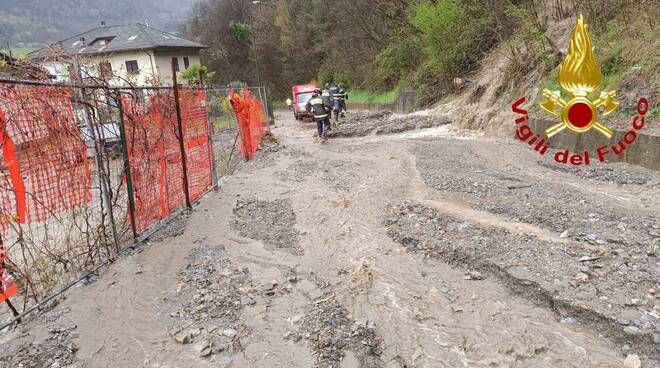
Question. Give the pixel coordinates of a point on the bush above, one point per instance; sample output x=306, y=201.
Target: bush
x=237, y=85
x=193, y=73
x=452, y=37
x=401, y=55
x=328, y=74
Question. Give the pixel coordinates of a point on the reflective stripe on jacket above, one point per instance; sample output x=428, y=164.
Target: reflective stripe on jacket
x=340, y=95
x=318, y=107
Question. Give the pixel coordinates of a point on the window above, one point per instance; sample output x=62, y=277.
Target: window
x=175, y=62
x=132, y=67
x=102, y=41
x=186, y=63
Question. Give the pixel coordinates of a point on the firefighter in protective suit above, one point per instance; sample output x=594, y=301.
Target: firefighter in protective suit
x=340, y=96
x=321, y=110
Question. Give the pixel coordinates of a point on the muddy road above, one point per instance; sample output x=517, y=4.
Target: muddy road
x=422, y=248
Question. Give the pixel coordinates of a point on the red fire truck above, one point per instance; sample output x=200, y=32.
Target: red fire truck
x=302, y=93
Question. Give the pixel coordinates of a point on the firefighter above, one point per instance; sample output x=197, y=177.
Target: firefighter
x=321, y=110
x=340, y=98
x=344, y=97
x=289, y=103
x=326, y=95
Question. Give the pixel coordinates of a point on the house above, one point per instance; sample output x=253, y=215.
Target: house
x=135, y=54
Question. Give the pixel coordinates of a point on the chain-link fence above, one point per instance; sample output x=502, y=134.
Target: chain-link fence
x=88, y=170
x=225, y=127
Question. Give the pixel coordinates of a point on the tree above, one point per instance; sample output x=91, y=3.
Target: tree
x=197, y=73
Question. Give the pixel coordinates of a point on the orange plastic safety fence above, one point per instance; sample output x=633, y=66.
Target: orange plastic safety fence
x=45, y=156
x=155, y=154
x=251, y=121
x=199, y=160
x=8, y=287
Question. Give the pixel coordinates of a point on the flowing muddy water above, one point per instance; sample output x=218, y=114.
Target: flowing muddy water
x=335, y=289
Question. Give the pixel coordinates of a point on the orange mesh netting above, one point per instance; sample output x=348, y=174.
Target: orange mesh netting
x=144, y=140
x=45, y=168
x=195, y=119
x=8, y=287
x=155, y=154
x=252, y=124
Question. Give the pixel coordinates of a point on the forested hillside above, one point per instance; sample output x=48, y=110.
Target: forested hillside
x=422, y=44
x=49, y=20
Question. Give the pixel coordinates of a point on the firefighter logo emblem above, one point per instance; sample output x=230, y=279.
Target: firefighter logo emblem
x=580, y=75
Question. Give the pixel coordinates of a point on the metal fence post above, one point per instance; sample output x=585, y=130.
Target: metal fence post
x=127, y=167
x=214, y=167
x=269, y=109
x=181, y=138
x=214, y=173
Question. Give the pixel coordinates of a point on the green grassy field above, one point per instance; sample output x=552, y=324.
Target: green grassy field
x=222, y=122
x=358, y=96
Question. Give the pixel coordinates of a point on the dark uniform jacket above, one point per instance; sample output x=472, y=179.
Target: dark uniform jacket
x=318, y=107
x=340, y=95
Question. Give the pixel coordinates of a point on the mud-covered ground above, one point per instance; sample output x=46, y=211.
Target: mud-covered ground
x=362, y=123
x=423, y=248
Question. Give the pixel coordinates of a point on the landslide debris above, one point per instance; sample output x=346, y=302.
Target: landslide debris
x=613, y=173
x=206, y=308
x=361, y=123
x=546, y=201
x=57, y=349
x=272, y=222
x=335, y=336
x=603, y=288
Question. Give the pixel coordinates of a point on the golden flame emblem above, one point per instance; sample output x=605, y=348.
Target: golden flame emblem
x=580, y=75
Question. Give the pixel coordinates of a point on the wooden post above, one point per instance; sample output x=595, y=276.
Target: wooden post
x=182, y=146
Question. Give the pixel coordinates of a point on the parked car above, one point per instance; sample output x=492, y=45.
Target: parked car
x=301, y=95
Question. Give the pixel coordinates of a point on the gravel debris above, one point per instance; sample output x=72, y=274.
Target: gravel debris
x=207, y=307
x=58, y=349
x=552, y=274
x=299, y=171
x=547, y=203
x=362, y=123
x=613, y=173
x=272, y=222
x=333, y=334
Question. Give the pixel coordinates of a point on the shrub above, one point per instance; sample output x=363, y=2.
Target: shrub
x=401, y=55
x=453, y=39
x=193, y=73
